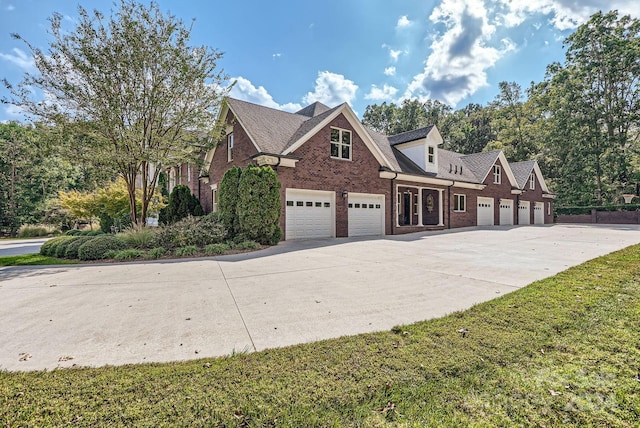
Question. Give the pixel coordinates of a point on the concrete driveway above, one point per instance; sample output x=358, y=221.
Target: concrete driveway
x=295, y=292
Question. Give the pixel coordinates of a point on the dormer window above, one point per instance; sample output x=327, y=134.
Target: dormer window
x=230, y=147
x=497, y=174
x=532, y=181
x=340, y=144
x=431, y=154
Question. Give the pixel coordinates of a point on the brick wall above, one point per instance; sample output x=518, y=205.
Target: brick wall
x=602, y=217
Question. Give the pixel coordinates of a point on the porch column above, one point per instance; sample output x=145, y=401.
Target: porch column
x=441, y=210
x=420, y=207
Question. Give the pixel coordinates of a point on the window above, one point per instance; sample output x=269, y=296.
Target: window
x=340, y=144
x=230, y=147
x=188, y=172
x=497, y=174
x=459, y=203
x=431, y=151
x=532, y=181
x=548, y=208
x=214, y=198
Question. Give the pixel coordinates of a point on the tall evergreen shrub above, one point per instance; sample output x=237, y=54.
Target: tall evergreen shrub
x=228, y=200
x=182, y=203
x=259, y=205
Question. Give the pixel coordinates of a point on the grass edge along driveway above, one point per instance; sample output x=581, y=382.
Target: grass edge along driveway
x=561, y=351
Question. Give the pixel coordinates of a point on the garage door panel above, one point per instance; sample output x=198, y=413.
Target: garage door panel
x=524, y=213
x=366, y=214
x=309, y=214
x=485, y=211
x=506, y=212
x=538, y=213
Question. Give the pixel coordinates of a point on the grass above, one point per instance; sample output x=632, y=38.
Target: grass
x=32, y=260
x=564, y=351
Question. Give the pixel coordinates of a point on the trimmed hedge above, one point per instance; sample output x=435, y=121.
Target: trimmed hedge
x=72, y=248
x=49, y=248
x=259, y=205
x=99, y=246
x=228, y=200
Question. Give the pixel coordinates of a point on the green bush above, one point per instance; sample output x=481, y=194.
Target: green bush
x=61, y=249
x=182, y=203
x=228, y=200
x=189, y=250
x=259, y=205
x=73, y=232
x=197, y=231
x=156, y=253
x=74, y=245
x=49, y=248
x=128, y=254
x=216, y=249
x=99, y=246
x=141, y=238
x=247, y=245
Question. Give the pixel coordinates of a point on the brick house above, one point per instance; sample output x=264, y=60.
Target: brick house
x=341, y=179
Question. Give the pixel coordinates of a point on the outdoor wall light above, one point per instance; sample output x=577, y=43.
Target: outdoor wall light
x=345, y=193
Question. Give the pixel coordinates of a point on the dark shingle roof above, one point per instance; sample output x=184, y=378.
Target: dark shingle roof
x=405, y=137
x=312, y=110
x=451, y=166
x=308, y=126
x=522, y=171
x=481, y=163
x=382, y=141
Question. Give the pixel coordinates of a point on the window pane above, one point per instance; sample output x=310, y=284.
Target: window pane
x=334, y=150
x=346, y=152
x=289, y=203
x=346, y=138
x=335, y=135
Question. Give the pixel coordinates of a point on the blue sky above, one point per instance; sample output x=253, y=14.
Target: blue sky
x=287, y=54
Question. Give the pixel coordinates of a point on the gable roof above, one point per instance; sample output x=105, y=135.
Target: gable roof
x=522, y=171
x=405, y=137
x=312, y=110
x=452, y=166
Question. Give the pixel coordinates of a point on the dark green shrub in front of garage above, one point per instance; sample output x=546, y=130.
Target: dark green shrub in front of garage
x=98, y=247
x=259, y=205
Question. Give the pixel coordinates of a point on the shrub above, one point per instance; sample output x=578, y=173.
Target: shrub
x=73, y=232
x=72, y=247
x=189, y=250
x=49, y=248
x=99, y=246
x=197, y=231
x=32, y=231
x=259, y=205
x=182, y=203
x=156, y=253
x=247, y=245
x=228, y=200
x=216, y=249
x=128, y=254
x=61, y=249
x=141, y=238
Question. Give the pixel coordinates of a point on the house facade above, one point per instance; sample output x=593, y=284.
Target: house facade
x=341, y=179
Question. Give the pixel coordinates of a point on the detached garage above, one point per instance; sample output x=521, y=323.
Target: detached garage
x=309, y=214
x=366, y=214
x=485, y=211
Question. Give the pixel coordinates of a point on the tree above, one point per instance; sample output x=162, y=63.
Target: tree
x=134, y=85
x=592, y=101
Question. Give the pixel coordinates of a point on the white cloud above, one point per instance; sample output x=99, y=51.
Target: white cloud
x=332, y=89
x=20, y=58
x=14, y=111
x=390, y=71
x=403, y=21
x=245, y=90
x=10, y=7
x=460, y=55
x=380, y=94
x=276, y=55
x=393, y=53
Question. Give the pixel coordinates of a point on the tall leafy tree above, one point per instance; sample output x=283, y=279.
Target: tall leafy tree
x=133, y=84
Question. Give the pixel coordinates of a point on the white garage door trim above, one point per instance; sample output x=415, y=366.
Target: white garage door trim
x=309, y=214
x=538, y=213
x=524, y=213
x=485, y=211
x=366, y=214
x=506, y=212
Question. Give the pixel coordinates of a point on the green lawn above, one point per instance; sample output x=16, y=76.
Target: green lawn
x=561, y=352
x=32, y=260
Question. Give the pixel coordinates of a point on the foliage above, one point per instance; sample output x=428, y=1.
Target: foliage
x=182, y=203
x=148, y=54
x=74, y=246
x=99, y=246
x=247, y=245
x=216, y=249
x=31, y=231
x=228, y=200
x=141, y=237
x=61, y=248
x=559, y=352
x=189, y=250
x=128, y=254
x=49, y=248
x=196, y=231
x=156, y=253
x=259, y=206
